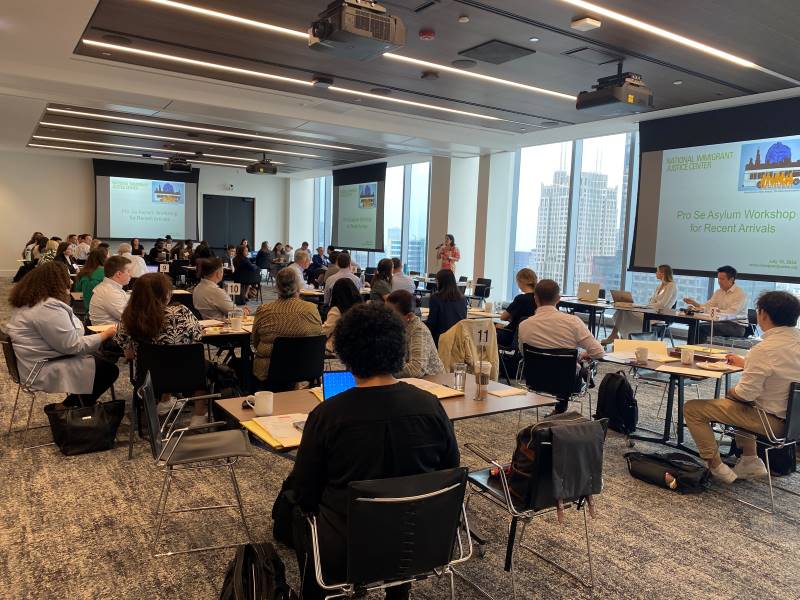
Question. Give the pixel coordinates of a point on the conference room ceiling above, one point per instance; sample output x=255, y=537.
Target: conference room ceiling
x=126, y=135
x=564, y=60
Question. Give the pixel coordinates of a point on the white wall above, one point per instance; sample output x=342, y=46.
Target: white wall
x=269, y=191
x=462, y=211
x=51, y=194
x=301, y=215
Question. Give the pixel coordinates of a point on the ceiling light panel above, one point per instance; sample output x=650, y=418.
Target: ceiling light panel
x=182, y=127
x=192, y=142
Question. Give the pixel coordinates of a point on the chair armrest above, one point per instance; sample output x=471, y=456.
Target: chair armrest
x=204, y=397
x=204, y=426
x=481, y=453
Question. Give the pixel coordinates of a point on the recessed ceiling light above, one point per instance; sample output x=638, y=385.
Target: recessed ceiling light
x=229, y=17
x=197, y=63
x=161, y=124
x=463, y=19
x=412, y=103
x=174, y=139
x=379, y=91
x=585, y=24
x=515, y=84
x=533, y=39
x=674, y=37
x=429, y=75
x=678, y=82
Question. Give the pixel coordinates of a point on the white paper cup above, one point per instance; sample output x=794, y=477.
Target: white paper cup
x=489, y=306
x=263, y=405
x=641, y=355
x=687, y=356
x=236, y=323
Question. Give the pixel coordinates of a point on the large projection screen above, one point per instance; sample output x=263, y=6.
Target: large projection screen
x=721, y=187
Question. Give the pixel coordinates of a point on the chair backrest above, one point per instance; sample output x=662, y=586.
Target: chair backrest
x=431, y=286
x=413, y=273
x=11, y=358
x=551, y=372
x=483, y=288
x=752, y=316
x=482, y=281
x=792, y=426
x=369, y=271
x=431, y=275
x=413, y=519
x=643, y=337
x=148, y=397
x=463, y=279
x=249, y=277
x=296, y=359
x=174, y=369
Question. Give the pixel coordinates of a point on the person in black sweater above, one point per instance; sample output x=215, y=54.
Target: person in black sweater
x=524, y=304
x=448, y=305
x=379, y=429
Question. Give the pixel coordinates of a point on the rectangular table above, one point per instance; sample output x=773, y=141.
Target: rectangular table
x=676, y=381
x=457, y=408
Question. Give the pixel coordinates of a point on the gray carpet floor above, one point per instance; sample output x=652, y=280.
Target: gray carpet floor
x=81, y=527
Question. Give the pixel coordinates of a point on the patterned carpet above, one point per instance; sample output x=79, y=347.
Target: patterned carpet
x=81, y=527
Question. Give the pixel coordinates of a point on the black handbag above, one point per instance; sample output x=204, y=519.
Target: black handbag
x=256, y=573
x=85, y=429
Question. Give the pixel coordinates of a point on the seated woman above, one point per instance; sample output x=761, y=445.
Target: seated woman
x=208, y=298
x=379, y=429
x=344, y=296
x=49, y=254
x=136, y=248
x=421, y=355
x=178, y=251
x=91, y=274
x=664, y=296
x=263, y=257
x=241, y=265
x=64, y=256
x=288, y=316
x=523, y=305
x=150, y=318
x=381, y=285
x=448, y=306
x=43, y=326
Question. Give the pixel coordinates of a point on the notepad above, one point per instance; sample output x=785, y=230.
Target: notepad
x=511, y=391
x=437, y=389
x=317, y=391
x=704, y=349
x=281, y=428
x=211, y=323
x=691, y=371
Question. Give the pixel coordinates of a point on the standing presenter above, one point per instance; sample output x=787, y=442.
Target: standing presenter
x=448, y=253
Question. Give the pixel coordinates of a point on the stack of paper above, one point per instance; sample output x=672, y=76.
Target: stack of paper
x=281, y=428
x=437, y=389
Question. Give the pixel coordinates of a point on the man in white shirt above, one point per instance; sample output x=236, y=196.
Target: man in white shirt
x=138, y=266
x=208, y=298
x=84, y=246
x=401, y=281
x=731, y=300
x=551, y=329
x=72, y=240
x=109, y=299
x=769, y=370
x=343, y=262
x=302, y=260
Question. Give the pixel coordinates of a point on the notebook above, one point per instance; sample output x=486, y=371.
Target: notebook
x=437, y=389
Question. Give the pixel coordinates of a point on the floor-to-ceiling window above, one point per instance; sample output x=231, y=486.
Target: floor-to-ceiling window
x=418, y=197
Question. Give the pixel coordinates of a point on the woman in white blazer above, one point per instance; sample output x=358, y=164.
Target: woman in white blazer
x=664, y=297
x=43, y=326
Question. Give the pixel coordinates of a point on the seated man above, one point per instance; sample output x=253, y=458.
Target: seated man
x=343, y=264
x=379, y=429
x=208, y=298
x=731, y=300
x=401, y=281
x=109, y=299
x=769, y=369
x=138, y=266
x=302, y=260
x=551, y=329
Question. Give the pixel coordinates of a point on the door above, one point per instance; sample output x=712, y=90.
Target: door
x=226, y=220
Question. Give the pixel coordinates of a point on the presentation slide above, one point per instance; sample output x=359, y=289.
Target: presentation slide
x=359, y=220
x=736, y=203
x=146, y=208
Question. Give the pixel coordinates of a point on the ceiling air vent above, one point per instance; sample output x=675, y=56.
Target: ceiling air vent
x=496, y=52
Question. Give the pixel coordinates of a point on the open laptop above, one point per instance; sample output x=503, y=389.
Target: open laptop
x=336, y=382
x=588, y=292
x=624, y=298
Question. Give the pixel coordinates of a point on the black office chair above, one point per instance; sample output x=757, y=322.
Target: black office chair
x=250, y=278
x=180, y=452
x=481, y=290
x=295, y=359
x=751, y=335
x=663, y=329
x=770, y=441
x=549, y=483
x=399, y=531
x=178, y=370
x=509, y=355
x=554, y=373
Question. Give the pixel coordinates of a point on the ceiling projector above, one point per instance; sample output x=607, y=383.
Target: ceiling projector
x=620, y=94
x=177, y=164
x=357, y=30
x=262, y=167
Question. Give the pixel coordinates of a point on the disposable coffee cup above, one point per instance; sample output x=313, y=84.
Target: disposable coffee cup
x=489, y=306
x=641, y=355
x=264, y=404
x=687, y=356
x=236, y=323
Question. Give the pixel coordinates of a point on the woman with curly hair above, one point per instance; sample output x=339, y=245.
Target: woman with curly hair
x=43, y=326
x=381, y=428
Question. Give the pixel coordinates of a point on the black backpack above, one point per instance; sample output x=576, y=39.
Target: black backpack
x=688, y=475
x=616, y=403
x=256, y=573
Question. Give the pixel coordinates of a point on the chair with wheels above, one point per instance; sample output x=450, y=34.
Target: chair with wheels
x=399, y=531
x=178, y=452
x=554, y=372
x=771, y=441
x=663, y=329
x=566, y=470
x=285, y=367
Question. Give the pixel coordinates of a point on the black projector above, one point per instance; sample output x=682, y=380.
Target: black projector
x=262, y=167
x=620, y=94
x=177, y=165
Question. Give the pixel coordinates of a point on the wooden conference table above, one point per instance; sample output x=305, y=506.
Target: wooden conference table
x=678, y=374
x=648, y=315
x=457, y=408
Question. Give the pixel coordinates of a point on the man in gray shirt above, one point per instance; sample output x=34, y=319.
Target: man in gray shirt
x=208, y=298
x=343, y=262
x=401, y=281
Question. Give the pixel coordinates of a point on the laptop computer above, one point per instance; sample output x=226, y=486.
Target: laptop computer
x=624, y=298
x=336, y=382
x=588, y=292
